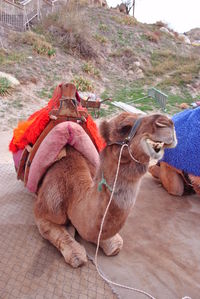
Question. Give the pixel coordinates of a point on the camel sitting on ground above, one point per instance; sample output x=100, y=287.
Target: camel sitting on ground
x=72, y=191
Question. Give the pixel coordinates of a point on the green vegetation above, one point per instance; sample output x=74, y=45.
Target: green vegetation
x=37, y=41
x=7, y=58
x=103, y=27
x=70, y=32
x=100, y=39
x=136, y=96
x=124, y=20
x=180, y=69
x=46, y=93
x=89, y=69
x=82, y=84
x=5, y=86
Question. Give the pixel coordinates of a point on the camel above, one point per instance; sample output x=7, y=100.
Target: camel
x=73, y=191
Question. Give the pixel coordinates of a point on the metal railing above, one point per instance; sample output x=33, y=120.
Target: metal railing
x=17, y=14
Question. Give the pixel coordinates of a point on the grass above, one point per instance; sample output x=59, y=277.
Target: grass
x=176, y=69
x=46, y=93
x=37, y=41
x=8, y=58
x=70, y=31
x=131, y=94
x=5, y=86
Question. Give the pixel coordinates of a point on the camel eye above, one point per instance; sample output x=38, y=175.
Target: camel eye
x=125, y=130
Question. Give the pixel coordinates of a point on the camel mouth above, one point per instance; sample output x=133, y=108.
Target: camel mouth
x=154, y=149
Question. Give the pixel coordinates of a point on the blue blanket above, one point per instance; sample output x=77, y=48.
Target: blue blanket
x=186, y=155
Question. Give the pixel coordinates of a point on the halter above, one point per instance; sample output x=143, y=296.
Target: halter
x=124, y=143
x=131, y=135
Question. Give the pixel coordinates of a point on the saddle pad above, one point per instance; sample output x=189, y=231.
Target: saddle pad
x=185, y=156
x=64, y=133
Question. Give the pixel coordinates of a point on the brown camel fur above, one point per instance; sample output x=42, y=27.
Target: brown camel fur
x=69, y=191
x=171, y=179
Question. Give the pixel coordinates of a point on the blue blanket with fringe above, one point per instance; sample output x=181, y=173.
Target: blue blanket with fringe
x=186, y=155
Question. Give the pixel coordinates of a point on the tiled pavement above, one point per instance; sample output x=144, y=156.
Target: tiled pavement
x=30, y=267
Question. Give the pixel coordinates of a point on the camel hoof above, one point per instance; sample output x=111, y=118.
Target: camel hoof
x=75, y=256
x=77, y=260
x=112, y=246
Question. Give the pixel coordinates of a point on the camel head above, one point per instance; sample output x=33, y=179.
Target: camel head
x=153, y=134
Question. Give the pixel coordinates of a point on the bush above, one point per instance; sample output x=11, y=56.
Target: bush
x=161, y=24
x=90, y=69
x=69, y=29
x=37, y=41
x=100, y=39
x=152, y=36
x=5, y=86
x=125, y=20
x=103, y=27
x=82, y=84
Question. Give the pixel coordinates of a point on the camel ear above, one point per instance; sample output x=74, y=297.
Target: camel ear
x=105, y=131
x=160, y=124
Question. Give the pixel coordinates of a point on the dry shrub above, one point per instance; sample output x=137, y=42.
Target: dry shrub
x=127, y=52
x=69, y=28
x=37, y=41
x=90, y=69
x=82, y=84
x=100, y=38
x=124, y=20
x=161, y=24
x=128, y=20
x=152, y=36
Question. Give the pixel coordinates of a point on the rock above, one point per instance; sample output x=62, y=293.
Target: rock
x=139, y=74
x=137, y=63
x=184, y=38
x=164, y=29
x=13, y=81
x=130, y=72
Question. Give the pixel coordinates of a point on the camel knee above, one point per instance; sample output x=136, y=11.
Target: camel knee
x=171, y=180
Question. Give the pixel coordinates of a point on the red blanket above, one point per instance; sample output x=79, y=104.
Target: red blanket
x=28, y=131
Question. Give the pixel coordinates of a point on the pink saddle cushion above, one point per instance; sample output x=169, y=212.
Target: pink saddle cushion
x=64, y=133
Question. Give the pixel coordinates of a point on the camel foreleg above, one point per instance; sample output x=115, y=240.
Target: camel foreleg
x=73, y=253
x=112, y=246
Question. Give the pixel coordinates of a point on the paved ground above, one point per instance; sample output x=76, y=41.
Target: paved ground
x=160, y=253
x=30, y=267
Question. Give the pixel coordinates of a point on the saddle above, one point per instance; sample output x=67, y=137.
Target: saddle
x=68, y=109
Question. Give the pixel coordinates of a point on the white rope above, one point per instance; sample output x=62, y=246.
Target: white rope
x=132, y=156
x=100, y=232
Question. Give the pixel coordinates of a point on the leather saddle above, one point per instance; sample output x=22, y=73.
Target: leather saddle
x=67, y=111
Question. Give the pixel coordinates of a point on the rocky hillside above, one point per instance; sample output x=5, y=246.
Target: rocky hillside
x=102, y=51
